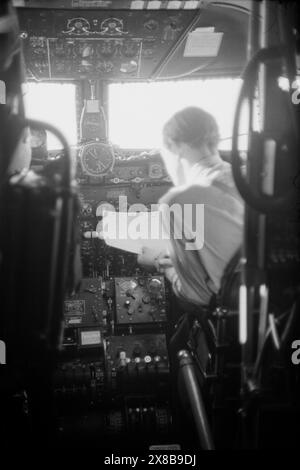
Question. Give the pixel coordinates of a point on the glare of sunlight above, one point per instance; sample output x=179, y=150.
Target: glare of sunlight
x=54, y=103
x=284, y=84
x=138, y=111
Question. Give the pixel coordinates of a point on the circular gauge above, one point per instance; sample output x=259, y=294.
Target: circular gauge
x=155, y=171
x=155, y=285
x=97, y=159
x=130, y=49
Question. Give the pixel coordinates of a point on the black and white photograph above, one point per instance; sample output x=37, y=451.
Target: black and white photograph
x=149, y=228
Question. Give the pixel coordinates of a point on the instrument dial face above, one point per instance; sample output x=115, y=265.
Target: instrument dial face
x=97, y=159
x=86, y=209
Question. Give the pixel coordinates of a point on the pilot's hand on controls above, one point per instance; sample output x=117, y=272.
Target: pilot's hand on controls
x=150, y=259
x=164, y=263
x=146, y=258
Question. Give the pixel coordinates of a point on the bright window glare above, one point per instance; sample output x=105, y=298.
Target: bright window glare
x=54, y=103
x=138, y=111
x=284, y=83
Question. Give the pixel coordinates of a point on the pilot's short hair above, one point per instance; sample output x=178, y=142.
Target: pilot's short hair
x=193, y=126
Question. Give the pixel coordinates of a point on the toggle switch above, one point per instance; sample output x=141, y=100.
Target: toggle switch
x=122, y=357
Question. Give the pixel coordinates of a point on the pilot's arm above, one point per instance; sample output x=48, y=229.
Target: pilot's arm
x=184, y=268
x=162, y=263
x=166, y=262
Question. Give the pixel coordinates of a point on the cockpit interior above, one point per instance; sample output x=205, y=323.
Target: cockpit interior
x=119, y=118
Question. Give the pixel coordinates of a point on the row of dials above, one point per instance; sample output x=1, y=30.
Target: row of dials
x=166, y=25
x=98, y=159
x=87, y=209
x=62, y=55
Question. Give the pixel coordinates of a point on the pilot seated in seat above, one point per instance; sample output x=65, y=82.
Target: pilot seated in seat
x=190, y=152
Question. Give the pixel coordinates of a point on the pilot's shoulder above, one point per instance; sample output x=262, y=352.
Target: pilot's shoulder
x=170, y=195
x=185, y=194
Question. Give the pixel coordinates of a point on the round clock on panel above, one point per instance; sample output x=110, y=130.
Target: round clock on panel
x=96, y=158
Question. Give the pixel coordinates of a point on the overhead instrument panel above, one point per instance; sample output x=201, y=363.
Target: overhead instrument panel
x=119, y=44
x=205, y=54
x=74, y=44
x=118, y=4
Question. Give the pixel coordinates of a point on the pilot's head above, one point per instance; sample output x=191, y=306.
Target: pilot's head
x=189, y=136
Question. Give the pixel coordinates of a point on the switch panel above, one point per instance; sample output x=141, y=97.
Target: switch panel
x=140, y=300
x=136, y=359
x=92, y=305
